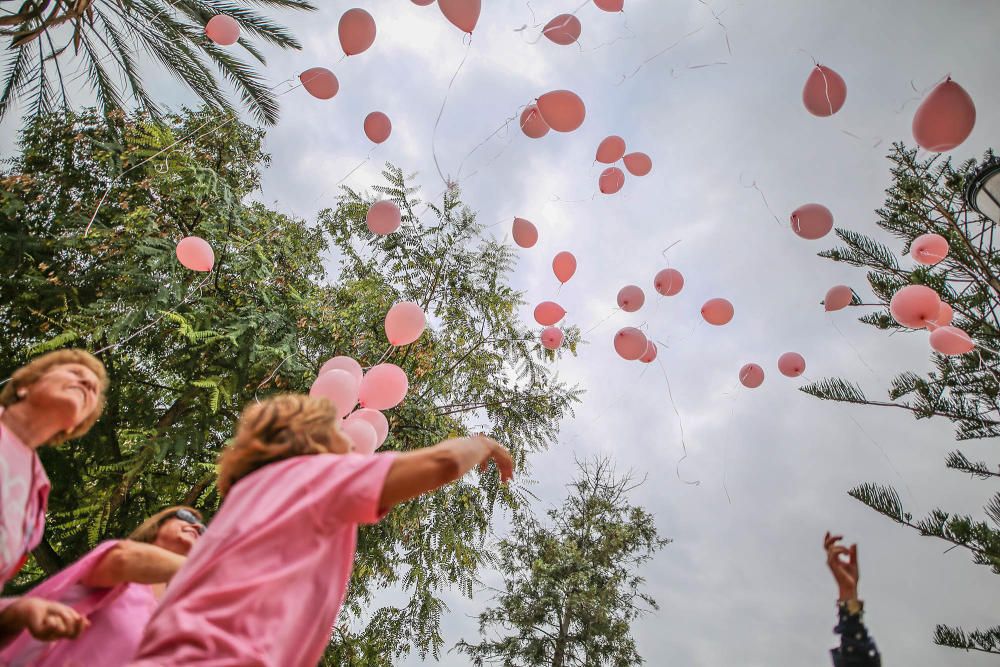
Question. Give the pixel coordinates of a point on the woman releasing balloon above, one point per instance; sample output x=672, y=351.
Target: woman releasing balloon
x=117, y=587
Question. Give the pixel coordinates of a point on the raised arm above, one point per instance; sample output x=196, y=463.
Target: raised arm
x=415, y=473
x=135, y=562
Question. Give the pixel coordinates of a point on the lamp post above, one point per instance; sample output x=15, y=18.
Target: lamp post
x=982, y=192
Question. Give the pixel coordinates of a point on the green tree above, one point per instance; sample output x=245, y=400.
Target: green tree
x=107, y=37
x=927, y=197
x=186, y=351
x=571, y=590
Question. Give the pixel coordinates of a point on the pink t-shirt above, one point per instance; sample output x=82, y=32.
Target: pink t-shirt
x=24, y=495
x=263, y=586
x=117, y=617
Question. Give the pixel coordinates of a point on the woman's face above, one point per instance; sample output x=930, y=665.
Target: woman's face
x=177, y=536
x=68, y=392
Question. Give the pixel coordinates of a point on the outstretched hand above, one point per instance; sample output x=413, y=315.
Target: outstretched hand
x=47, y=620
x=843, y=563
x=498, y=454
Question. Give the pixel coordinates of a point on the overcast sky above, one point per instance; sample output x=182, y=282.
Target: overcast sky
x=744, y=583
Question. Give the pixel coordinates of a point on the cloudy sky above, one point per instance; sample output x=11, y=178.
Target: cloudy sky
x=744, y=582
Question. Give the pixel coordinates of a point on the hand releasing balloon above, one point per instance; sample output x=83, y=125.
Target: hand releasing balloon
x=562, y=110
x=524, y=232
x=791, y=364
x=564, y=266
x=383, y=217
x=945, y=118
x=552, y=338
x=548, y=313
x=463, y=14
x=378, y=127
x=668, y=282
x=630, y=343
x=320, y=83
x=223, y=30
x=361, y=434
x=383, y=387
x=951, y=341
x=610, y=150
x=404, y=323
x=356, y=31
x=638, y=164
x=195, y=253
x=929, y=249
x=717, y=312
x=914, y=306
x=344, y=364
x=751, y=376
x=825, y=92
x=339, y=387
x=532, y=123
x=611, y=181
x=649, y=356
x=838, y=298
x=812, y=221
x=376, y=420
x=630, y=298
x=563, y=29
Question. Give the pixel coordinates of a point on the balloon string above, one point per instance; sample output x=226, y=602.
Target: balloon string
x=609, y=316
x=346, y=176
x=656, y=55
x=680, y=423
x=492, y=134
x=437, y=122
x=754, y=186
x=718, y=20
x=856, y=352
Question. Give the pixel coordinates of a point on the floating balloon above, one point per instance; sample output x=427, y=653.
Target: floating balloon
x=383, y=387
x=751, y=376
x=404, y=323
x=195, y=253
x=223, y=30
x=929, y=249
x=610, y=150
x=356, y=31
x=344, y=364
x=463, y=14
x=610, y=5
x=914, y=306
x=611, y=181
x=563, y=29
x=638, y=164
x=944, y=317
x=564, y=266
x=838, y=298
x=717, y=312
x=630, y=298
x=376, y=420
x=791, y=364
x=825, y=91
x=362, y=435
x=548, y=313
x=552, y=338
x=630, y=343
x=378, y=127
x=320, y=82
x=422, y=3
x=812, y=221
x=532, y=123
x=562, y=110
x=945, y=118
x=383, y=217
x=339, y=387
x=951, y=341
x=525, y=233
x=668, y=282
x=649, y=356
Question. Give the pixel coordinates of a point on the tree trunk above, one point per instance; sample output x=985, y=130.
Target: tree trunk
x=559, y=654
x=47, y=558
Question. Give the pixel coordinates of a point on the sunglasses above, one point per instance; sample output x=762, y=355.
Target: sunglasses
x=188, y=517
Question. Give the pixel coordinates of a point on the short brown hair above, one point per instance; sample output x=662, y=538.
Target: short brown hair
x=27, y=375
x=150, y=528
x=276, y=429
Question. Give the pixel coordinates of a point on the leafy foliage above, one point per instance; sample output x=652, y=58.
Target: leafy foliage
x=571, y=588
x=186, y=351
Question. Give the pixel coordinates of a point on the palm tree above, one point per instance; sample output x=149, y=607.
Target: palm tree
x=105, y=36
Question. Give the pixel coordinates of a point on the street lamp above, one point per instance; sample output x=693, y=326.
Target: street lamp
x=982, y=192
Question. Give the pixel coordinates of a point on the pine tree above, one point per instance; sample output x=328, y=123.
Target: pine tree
x=927, y=197
x=571, y=590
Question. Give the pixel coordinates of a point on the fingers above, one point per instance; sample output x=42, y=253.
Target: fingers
x=830, y=540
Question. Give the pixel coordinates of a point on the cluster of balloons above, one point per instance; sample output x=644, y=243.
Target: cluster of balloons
x=609, y=151
x=631, y=343
x=559, y=110
x=790, y=364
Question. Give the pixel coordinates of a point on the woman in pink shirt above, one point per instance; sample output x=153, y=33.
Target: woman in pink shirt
x=117, y=587
x=264, y=586
x=56, y=397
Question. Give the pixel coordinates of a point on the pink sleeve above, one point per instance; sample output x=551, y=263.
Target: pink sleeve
x=353, y=486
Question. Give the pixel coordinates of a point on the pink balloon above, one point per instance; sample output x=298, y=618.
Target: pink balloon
x=356, y=31
x=422, y=3
x=339, y=387
x=195, y=253
x=320, y=82
x=376, y=420
x=552, y=338
x=463, y=14
x=812, y=221
x=945, y=118
x=929, y=249
x=548, y=313
x=649, y=356
x=630, y=343
x=717, y=312
x=532, y=123
x=944, y=316
x=611, y=149
x=611, y=181
x=638, y=164
x=362, y=435
x=524, y=232
x=378, y=127
x=951, y=341
x=630, y=298
x=223, y=30
x=610, y=5
x=344, y=364
x=838, y=298
x=383, y=387
x=751, y=376
x=791, y=364
x=562, y=110
x=825, y=91
x=383, y=217
x=563, y=29
x=404, y=323
x=564, y=266
x=915, y=305
x=668, y=282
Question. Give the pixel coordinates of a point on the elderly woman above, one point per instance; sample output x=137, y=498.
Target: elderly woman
x=265, y=585
x=116, y=586
x=56, y=397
